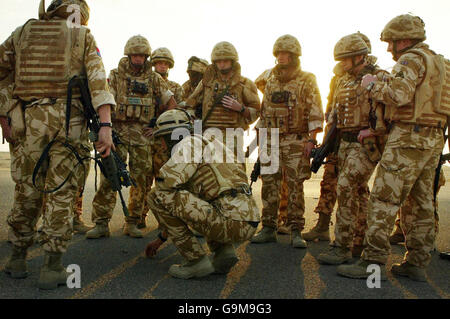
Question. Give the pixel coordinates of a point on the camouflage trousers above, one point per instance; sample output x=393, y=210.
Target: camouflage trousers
x=44, y=123
x=159, y=157
x=404, y=221
x=328, y=186
x=140, y=164
x=282, y=210
x=176, y=211
x=296, y=168
x=355, y=170
x=403, y=172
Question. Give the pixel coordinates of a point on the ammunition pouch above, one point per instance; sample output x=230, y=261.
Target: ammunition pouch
x=16, y=117
x=280, y=97
x=350, y=137
x=138, y=87
x=277, y=117
x=372, y=148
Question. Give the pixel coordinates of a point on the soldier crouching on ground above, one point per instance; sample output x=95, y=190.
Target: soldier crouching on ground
x=202, y=192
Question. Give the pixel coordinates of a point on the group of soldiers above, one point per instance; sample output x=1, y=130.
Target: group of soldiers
x=394, y=121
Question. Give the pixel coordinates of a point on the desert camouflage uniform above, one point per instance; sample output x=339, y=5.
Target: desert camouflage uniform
x=45, y=114
x=408, y=164
x=305, y=99
x=198, y=194
x=240, y=88
x=355, y=164
x=261, y=82
x=404, y=220
x=135, y=145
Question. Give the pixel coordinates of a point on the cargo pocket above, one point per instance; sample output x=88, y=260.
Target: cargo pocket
x=389, y=183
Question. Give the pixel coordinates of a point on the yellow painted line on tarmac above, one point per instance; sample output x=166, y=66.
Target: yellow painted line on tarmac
x=406, y=293
x=149, y=294
x=313, y=284
x=237, y=272
x=440, y=292
x=103, y=280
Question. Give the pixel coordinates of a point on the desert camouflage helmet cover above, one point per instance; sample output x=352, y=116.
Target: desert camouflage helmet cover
x=163, y=54
x=349, y=46
x=287, y=43
x=138, y=45
x=60, y=8
x=404, y=27
x=197, y=65
x=366, y=40
x=171, y=120
x=224, y=51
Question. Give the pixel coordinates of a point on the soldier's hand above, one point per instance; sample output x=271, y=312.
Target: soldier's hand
x=230, y=103
x=364, y=134
x=148, y=132
x=367, y=79
x=105, y=142
x=6, y=130
x=308, y=149
x=152, y=247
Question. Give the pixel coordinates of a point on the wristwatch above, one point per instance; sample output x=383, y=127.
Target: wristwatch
x=313, y=141
x=106, y=124
x=243, y=109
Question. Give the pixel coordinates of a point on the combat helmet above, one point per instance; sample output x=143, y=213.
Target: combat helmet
x=366, y=40
x=172, y=120
x=350, y=46
x=287, y=43
x=224, y=51
x=60, y=8
x=197, y=65
x=404, y=27
x=138, y=45
x=163, y=54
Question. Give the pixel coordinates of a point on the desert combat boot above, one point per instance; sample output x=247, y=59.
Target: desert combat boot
x=266, y=235
x=335, y=256
x=297, y=241
x=79, y=226
x=224, y=259
x=408, y=270
x=132, y=230
x=198, y=268
x=100, y=230
x=17, y=264
x=52, y=273
x=360, y=270
x=321, y=231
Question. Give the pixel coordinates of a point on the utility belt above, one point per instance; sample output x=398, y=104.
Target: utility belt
x=416, y=127
x=350, y=137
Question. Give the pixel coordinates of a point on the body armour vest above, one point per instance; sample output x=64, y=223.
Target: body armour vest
x=135, y=95
x=431, y=104
x=48, y=55
x=212, y=179
x=284, y=106
x=352, y=101
x=214, y=91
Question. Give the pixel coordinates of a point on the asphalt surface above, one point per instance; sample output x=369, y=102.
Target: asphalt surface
x=117, y=268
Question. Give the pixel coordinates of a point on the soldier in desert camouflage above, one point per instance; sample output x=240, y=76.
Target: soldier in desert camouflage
x=197, y=189
x=137, y=90
x=292, y=105
x=41, y=89
x=356, y=161
x=195, y=70
x=224, y=99
x=418, y=108
x=162, y=61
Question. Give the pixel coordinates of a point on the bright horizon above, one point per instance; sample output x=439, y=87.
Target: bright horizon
x=193, y=27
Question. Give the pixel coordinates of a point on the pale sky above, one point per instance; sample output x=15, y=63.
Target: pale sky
x=193, y=28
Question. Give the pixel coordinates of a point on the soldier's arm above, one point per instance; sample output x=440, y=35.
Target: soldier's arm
x=163, y=92
x=96, y=76
x=251, y=102
x=178, y=170
x=314, y=104
x=398, y=88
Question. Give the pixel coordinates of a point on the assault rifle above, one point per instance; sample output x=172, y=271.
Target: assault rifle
x=328, y=146
x=112, y=167
x=217, y=101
